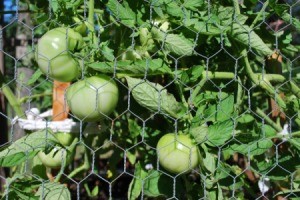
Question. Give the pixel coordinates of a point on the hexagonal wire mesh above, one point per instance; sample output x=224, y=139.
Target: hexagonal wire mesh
x=153, y=99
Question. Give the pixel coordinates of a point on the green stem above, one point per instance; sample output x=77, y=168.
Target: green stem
x=297, y=121
x=22, y=100
x=84, y=167
x=218, y=75
x=91, y=13
x=236, y=7
x=211, y=75
x=11, y=98
x=268, y=120
x=295, y=134
x=239, y=96
x=295, y=89
x=262, y=10
x=261, y=81
x=70, y=149
x=87, y=189
x=274, y=77
x=91, y=23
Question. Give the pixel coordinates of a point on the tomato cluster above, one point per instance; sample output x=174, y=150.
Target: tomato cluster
x=95, y=98
x=91, y=99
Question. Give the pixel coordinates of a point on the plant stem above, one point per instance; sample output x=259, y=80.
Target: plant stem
x=273, y=77
x=210, y=75
x=268, y=120
x=21, y=100
x=239, y=96
x=88, y=191
x=11, y=98
x=262, y=10
x=91, y=13
x=85, y=166
x=71, y=149
x=295, y=89
x=236, y=7
x=260, y=80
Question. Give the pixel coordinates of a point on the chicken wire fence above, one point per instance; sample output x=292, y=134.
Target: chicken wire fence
x=158, y=99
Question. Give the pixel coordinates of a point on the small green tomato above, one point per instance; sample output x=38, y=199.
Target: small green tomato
x=177, y=154
x=56, y=157
x=64, y=138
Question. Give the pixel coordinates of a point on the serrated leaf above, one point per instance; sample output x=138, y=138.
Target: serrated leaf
x=133, y=68
x=26, y=147
x=158, y=184
x=220, y=111
x=253, y=148
x=153, y=96
x=177, y=44
x=245, y=35
x=199, y=133
x=107, y=52
x=219, y=133
x=193, y=4
x=136, y=185
x=53, y=191
x=122, y=12
x=171, y=8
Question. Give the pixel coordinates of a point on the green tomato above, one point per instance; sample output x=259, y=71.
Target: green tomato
x=93, y=98
x=56, y=157
x=64, y=138
x=53, y=54
x=177, y=154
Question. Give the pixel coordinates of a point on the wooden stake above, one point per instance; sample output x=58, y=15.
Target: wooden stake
x=59, y=106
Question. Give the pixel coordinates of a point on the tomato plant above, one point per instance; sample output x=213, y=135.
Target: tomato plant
x=93, y=98
x=177, y=154
x=54, y=54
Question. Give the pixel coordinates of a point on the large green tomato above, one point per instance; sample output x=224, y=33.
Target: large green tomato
x=54, y=54
x=56, y=157
x=177, y=154
x=93, y=98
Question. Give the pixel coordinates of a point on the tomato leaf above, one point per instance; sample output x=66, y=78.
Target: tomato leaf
x=154, y=97
x=193, y=4
x=122, y=12
x=221, y=111
x=174, y=43
x=53, y=191
x=245, y=35
x=172, y=8
x=22, y=187
x=26, y=147
x=253, y=148
x=219, y=133
x=136, y=185
x=158, y=184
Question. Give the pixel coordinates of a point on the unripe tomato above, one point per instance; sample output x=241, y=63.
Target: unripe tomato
x=93, y=98
x=53, y=54
x=56, y=157
x=64, y=138
x=177, y=154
